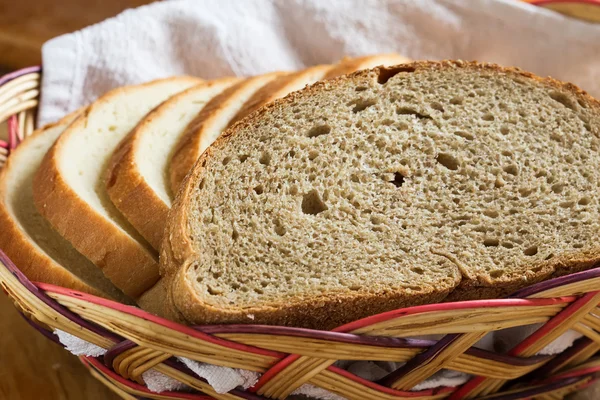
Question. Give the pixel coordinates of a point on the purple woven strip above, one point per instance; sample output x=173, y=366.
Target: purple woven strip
x=117, y=349
x=418, y=360
x=529, y=393
x=50, y=335
x=54, y=305
x=553, y=283
x=379, y=341
x=578, y=346
x=13, y=75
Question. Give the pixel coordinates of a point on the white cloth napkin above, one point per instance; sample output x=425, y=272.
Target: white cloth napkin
x=212, y=38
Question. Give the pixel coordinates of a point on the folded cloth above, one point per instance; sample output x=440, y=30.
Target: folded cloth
x=213, y=38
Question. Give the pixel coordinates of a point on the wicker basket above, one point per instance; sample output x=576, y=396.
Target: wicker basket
x=289, y=357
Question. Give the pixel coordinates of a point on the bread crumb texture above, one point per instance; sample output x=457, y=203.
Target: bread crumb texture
x=398, y=182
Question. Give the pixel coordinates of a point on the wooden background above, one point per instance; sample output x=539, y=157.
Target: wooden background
x=32, y=367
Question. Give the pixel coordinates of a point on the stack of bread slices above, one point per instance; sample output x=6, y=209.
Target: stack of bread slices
x=310, y=198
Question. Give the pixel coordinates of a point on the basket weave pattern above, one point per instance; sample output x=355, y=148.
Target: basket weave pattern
x=290, y=357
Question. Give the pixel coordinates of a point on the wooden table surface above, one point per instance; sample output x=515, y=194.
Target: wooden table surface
x=31, y=366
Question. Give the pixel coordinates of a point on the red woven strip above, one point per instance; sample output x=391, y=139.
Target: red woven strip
x=106, y=371
x=553, y=323
x=153, y=318
x=459, y=305
x=13, y=128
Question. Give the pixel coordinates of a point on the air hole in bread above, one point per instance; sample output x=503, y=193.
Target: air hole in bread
x=362, y=104
x=243, y=157
x=488, y=117
x=280, y=229
x=456, y=100
x=360, y=88
x=259, y=189
x=437, y=106
x=491, y=213
x=531, y=251
x=584, y=201
x=563, y=99
x=578, y=245
x=448, y=161
x=411, y=111
x=265, y=158
x=398, y=180
x=491, y=242
x=235, y=234
x=557, y=187
x=313, y=154
x=504, y=130
x=418, y=270
x=312, y=203
x=567, y=204
x=464, y=135
x=385, y=74
x=507, y=245
x=511, y=169
x=201, y=184
x=318, y=131
x=549, y=256
x=214, y=291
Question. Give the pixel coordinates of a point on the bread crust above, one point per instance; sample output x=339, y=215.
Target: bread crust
x=326, y=311
x=19, y=247
x=187, y=150
x=350, y=65
x=128, y=189
x=280, y=87
x=92, y=234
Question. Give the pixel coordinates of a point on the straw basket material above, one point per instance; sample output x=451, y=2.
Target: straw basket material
x=290, y=357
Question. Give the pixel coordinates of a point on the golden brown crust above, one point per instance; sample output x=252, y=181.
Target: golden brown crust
x=126, y=186
x=19, y=247
x=187, y=150
x=178, y=252
x=124, y=261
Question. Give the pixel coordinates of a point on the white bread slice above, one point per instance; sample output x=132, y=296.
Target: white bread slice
x=349, y=65
x=69, y=188
x=137, y=183
x=391, y=187
x=27, y=238
x=209, y=123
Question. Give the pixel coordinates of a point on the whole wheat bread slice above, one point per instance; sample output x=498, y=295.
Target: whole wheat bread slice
x=390, y=187
x=137, y=173
x=69, y=189
x=27, y=238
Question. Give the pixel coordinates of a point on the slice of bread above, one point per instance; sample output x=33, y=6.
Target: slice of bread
x=69, y=189
x=137, y=172
x=387, y=188
x=27, y=238
x=209, y=123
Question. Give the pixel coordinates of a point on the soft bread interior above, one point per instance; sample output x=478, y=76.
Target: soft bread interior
x=397, y=181
x=85, y=155
x=19, y=203
x=158, y=138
